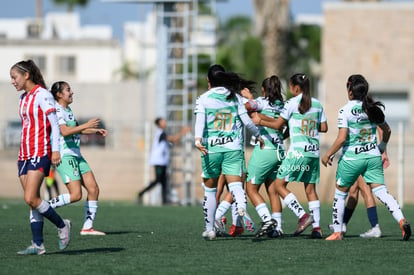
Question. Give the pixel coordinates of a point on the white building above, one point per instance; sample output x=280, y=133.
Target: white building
x=61, y=48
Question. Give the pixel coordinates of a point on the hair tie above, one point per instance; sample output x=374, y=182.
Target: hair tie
x=22, y=68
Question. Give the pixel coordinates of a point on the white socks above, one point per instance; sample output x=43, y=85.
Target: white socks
x=315, y=210
x=90, y=214
x=239, y=195
x=222, y=209
x=382, y=194
x=293, y=204
x=338, y=208
x=209, y=206
x=60, y=200
x=263, y=212
x=278, y=217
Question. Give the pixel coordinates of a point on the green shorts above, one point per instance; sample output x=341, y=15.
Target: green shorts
x=263, y=165
x=349, y=170
x=228, y=163
x=301, y=169
x=72, y=168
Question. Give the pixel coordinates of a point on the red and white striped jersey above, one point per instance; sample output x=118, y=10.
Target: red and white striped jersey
x=35, y=138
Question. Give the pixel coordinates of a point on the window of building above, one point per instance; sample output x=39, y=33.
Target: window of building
x=33, y=30
x=397, y=106
x=67, y=65
x=39, y=60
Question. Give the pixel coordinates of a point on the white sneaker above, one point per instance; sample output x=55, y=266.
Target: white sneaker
x=33, y=249
x=209, y=235
x=374, y=232
x=247, y=221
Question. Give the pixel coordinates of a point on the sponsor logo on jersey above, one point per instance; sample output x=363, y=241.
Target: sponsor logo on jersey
x=311, y=148
x=356, y=112
x=365, y=148
x=220, y=141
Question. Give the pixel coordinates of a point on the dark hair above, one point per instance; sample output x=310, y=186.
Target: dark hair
x=272, y=89
x=304, y=84
x=30, y=67
x=157, y=121
x=212, y=71
x=218, y=77
x=359, y=87
x=57, y=87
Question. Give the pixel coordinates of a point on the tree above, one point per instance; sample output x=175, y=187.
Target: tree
x=239, y=50
x=304, y=50
x=272, y=25
x=71, y=3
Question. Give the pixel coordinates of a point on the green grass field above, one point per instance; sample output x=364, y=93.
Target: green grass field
x=167, y=240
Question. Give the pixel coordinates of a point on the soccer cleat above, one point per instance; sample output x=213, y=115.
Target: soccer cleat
x=219, y=227
x=247, y=221
x=303, y=223
x=336, y=236
x=33, y=249
x=209, y=235
x=64, y=235
x=266, y=228
x=91, y=232
x=374, y=232
x=316, y=233
x=275, y=233
x=235, y=230
x=406, y=229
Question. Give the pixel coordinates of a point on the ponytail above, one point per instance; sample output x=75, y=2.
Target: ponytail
x=359, y=87
x=304, y=84
x=31, y=68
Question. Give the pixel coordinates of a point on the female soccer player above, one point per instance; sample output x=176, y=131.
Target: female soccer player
x=37, y=151
x=357, y=123
x=74, y=170
x=220, y=116
x=263, y=164
x=306, y=119
x=362, y=187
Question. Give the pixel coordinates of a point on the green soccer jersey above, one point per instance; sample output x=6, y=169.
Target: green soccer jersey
x=361, y=141
x=223, y=129
x=303, y=128
x=69, y=145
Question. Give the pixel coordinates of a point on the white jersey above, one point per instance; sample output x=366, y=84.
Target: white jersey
x=69, y=145
x=160, y=151
x=303, y=128
x=361, y=141
x=223, y=129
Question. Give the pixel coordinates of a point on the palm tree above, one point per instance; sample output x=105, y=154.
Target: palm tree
x=272, y=25
x=71, y=3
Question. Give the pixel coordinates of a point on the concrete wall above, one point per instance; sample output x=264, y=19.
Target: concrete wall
x=377, y=41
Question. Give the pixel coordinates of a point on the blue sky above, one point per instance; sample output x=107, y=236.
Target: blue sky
x=101, y=12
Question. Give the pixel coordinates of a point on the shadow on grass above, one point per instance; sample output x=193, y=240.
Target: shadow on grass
x=90, y=250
